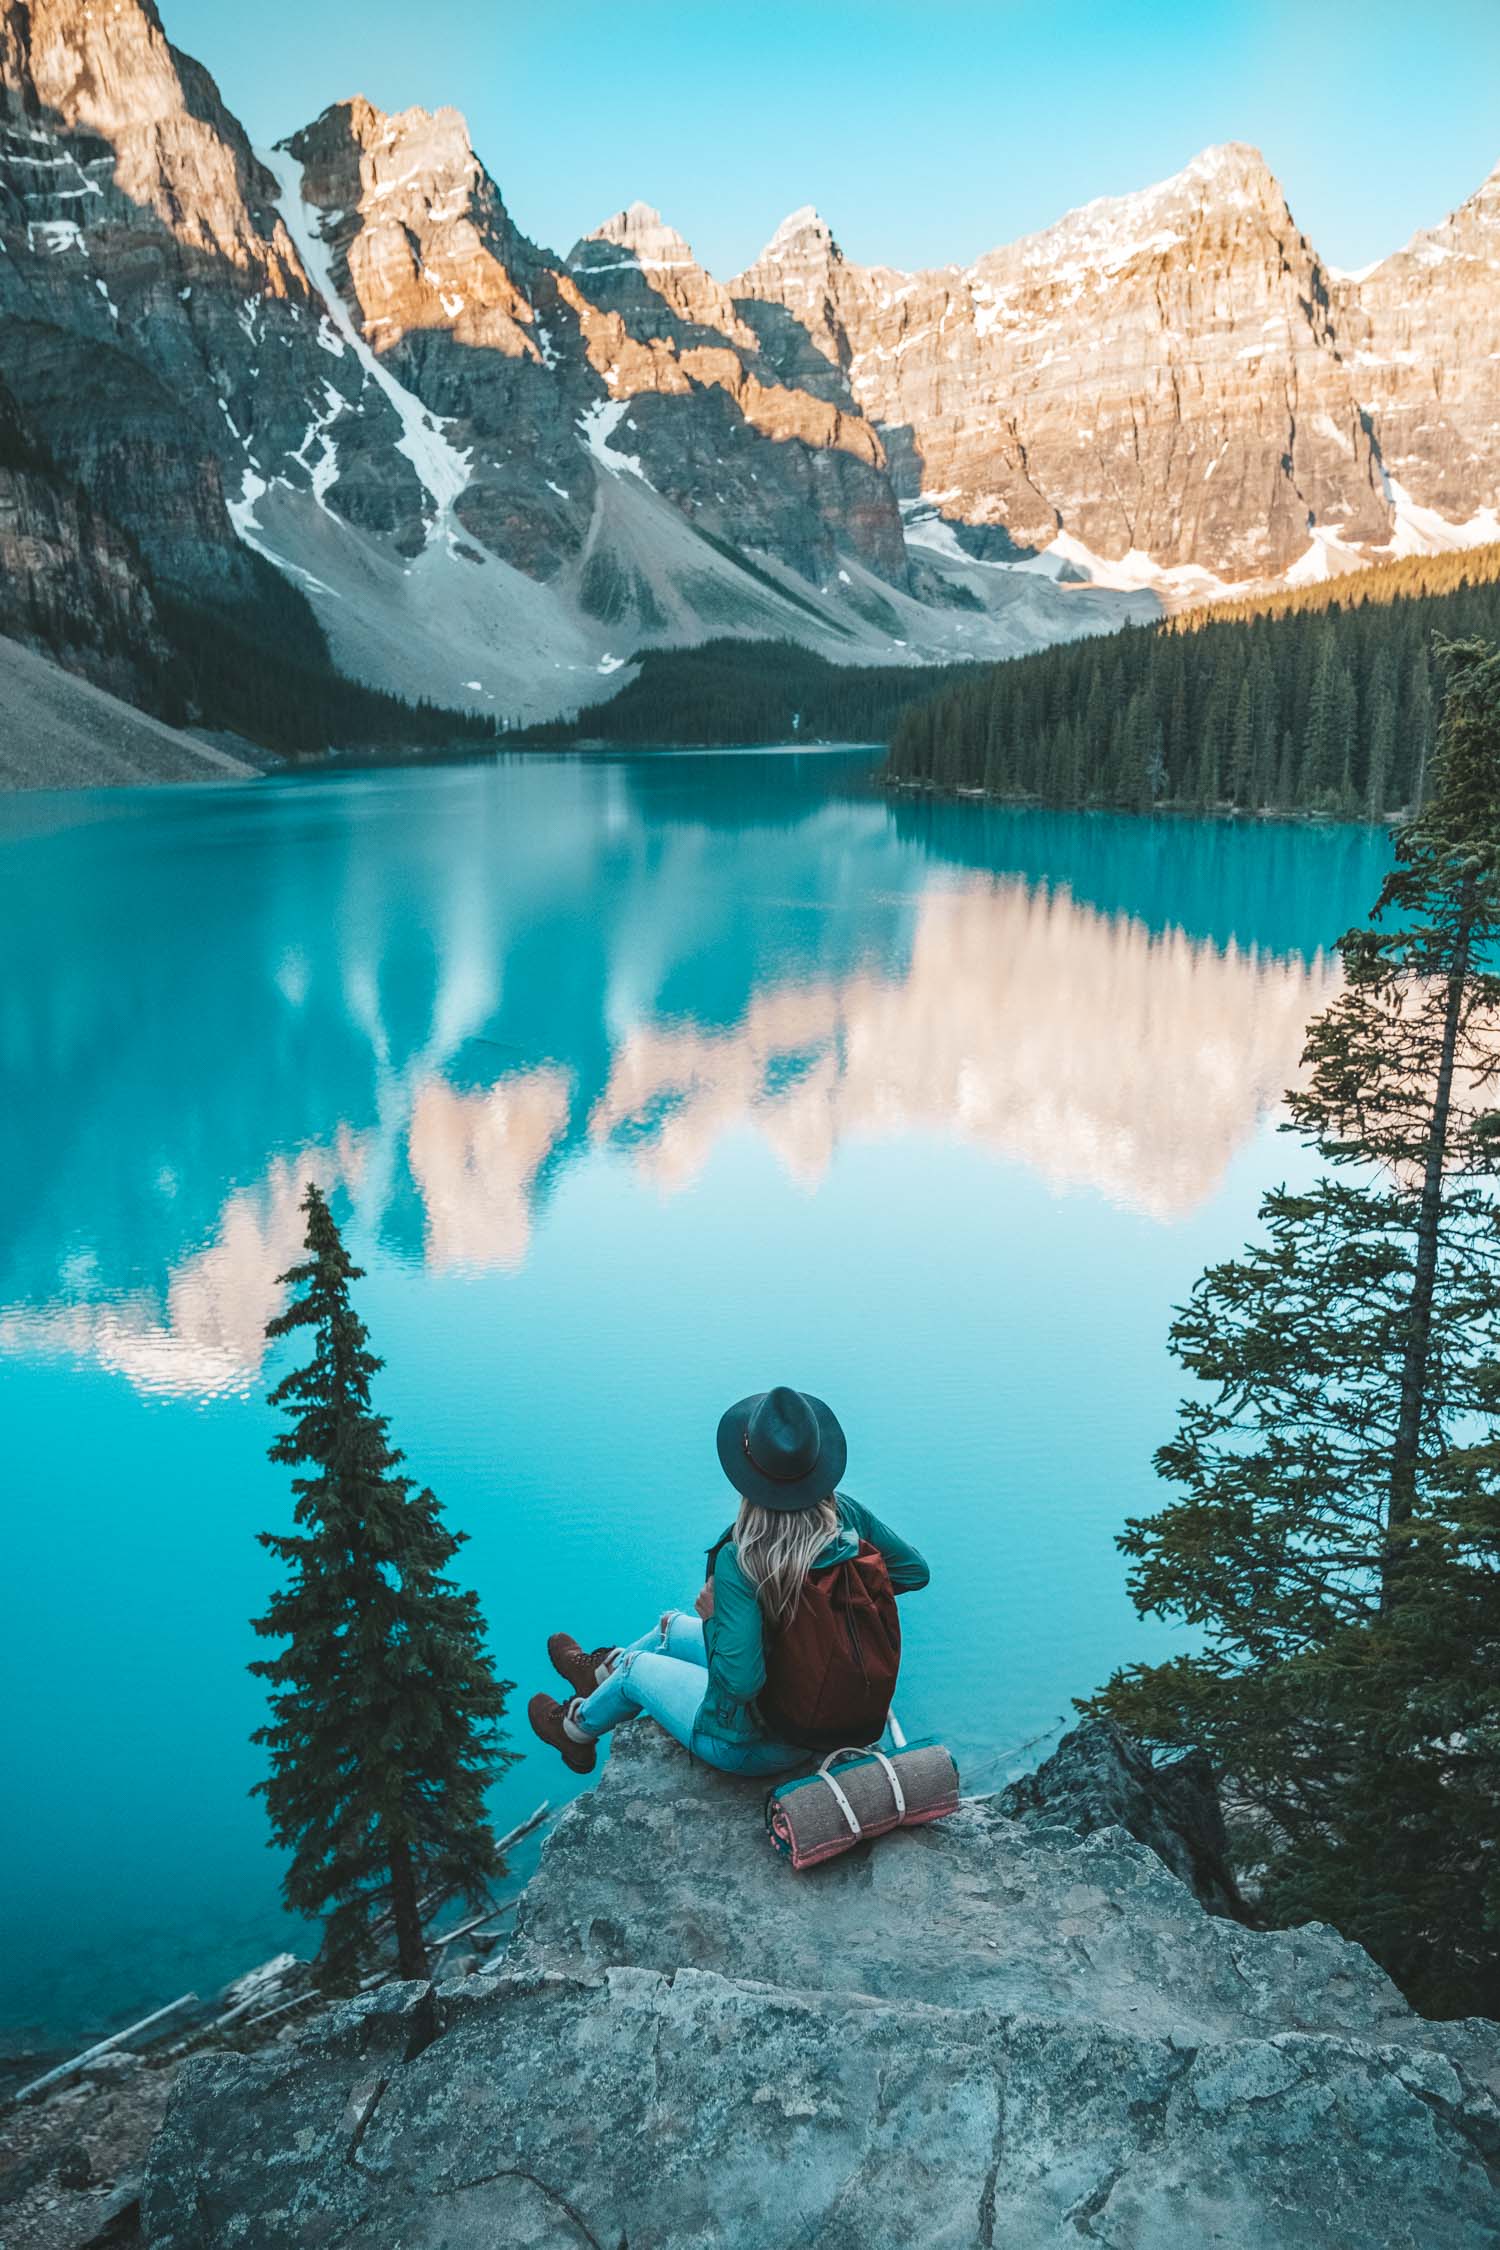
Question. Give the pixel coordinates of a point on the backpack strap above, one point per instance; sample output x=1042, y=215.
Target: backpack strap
x=715, y=1551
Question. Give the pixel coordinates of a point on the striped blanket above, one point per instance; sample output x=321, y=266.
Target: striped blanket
x=860, y=1793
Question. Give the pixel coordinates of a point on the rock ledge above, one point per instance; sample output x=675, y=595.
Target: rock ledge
x=978, y=2033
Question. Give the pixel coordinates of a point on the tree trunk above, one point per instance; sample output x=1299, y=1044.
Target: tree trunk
x=1417, y=1355
x=411, y=1953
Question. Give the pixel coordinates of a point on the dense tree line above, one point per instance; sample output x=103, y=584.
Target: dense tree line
x=1318, y=700
x=752, y=691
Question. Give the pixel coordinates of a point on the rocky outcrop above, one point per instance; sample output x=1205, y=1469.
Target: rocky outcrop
x=979, y=2032
x=1098, y=1778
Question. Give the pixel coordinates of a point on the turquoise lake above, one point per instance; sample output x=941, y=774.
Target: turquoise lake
x=640, y=1083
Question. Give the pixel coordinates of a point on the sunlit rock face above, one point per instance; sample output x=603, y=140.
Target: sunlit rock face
x=159, y=331
x=345, y=356
x=1425, y=325
x=498, y=472
x=1166, y=387
x=515, y=348
x=656, y=323
x=446, y=292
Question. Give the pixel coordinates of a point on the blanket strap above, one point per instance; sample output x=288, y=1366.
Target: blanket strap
x=894, y=1779
x=891, y=1775
x=850, y=1816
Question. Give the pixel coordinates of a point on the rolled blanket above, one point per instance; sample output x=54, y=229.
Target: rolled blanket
x=859, y=1793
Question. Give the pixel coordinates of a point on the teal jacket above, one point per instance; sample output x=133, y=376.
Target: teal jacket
x=734, y=1636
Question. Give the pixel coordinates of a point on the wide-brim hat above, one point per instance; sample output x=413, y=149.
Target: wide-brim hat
x=783, y=1449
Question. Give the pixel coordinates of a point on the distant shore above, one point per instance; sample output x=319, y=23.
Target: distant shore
x=1176, y=807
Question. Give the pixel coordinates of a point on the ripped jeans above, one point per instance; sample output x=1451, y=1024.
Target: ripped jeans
x=663, y=1674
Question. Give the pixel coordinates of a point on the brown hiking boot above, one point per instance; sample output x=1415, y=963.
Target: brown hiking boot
x=546, y=1716
x=582, y=1672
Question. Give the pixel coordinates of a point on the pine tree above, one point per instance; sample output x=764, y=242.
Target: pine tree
x=1242, y=746
x=1138, y=753
x=1322, y=747
x=1382, y=752
x=384, y=1735
x=1336, y=1527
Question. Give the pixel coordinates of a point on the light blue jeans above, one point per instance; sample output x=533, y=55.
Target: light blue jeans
x=664, y=1674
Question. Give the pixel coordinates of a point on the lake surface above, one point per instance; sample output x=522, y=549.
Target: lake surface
x=640, y=1083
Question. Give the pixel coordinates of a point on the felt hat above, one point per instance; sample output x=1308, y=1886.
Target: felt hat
x=783, y=1449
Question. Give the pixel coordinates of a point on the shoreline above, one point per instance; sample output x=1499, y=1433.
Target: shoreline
x=1169, y=808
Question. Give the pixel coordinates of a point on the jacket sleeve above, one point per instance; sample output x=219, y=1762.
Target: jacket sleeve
x=732, y=1637
x=909, y=1572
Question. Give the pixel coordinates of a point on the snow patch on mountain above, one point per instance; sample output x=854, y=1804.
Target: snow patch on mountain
x=441, y=468
x=596, y=424
x=1423, y=531
x=1326, y=556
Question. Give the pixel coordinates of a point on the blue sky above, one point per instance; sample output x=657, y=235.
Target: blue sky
x=923, y=133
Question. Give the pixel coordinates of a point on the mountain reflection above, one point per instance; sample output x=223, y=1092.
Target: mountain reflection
x=474, y=1159
x=436, y=992
x=1073, y=1042
x=208, y=1334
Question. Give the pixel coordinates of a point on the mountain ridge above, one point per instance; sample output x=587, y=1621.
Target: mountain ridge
x=496, y=474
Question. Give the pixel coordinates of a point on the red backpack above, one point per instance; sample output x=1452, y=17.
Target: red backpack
x=831, y=1670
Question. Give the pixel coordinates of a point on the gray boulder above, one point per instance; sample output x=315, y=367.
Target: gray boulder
x=977, y=2033
x=1097, y=1777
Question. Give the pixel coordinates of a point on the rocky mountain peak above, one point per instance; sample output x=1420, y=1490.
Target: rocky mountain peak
x=1234, y=175
x=1221, y=184
x=367, y=157
x=640, y=231
x=169, y=145
x=434, y=144
x=802, y=232
x=640, y=272
x=1472, y=231
x=1228, y=163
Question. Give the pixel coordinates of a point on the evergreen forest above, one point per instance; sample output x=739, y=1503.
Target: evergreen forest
x=732, y=691
x=1319, y=700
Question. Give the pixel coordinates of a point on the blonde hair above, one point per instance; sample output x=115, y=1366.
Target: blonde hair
x=777, y=1549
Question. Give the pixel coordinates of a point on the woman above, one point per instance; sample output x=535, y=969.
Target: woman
x=795, y=1637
